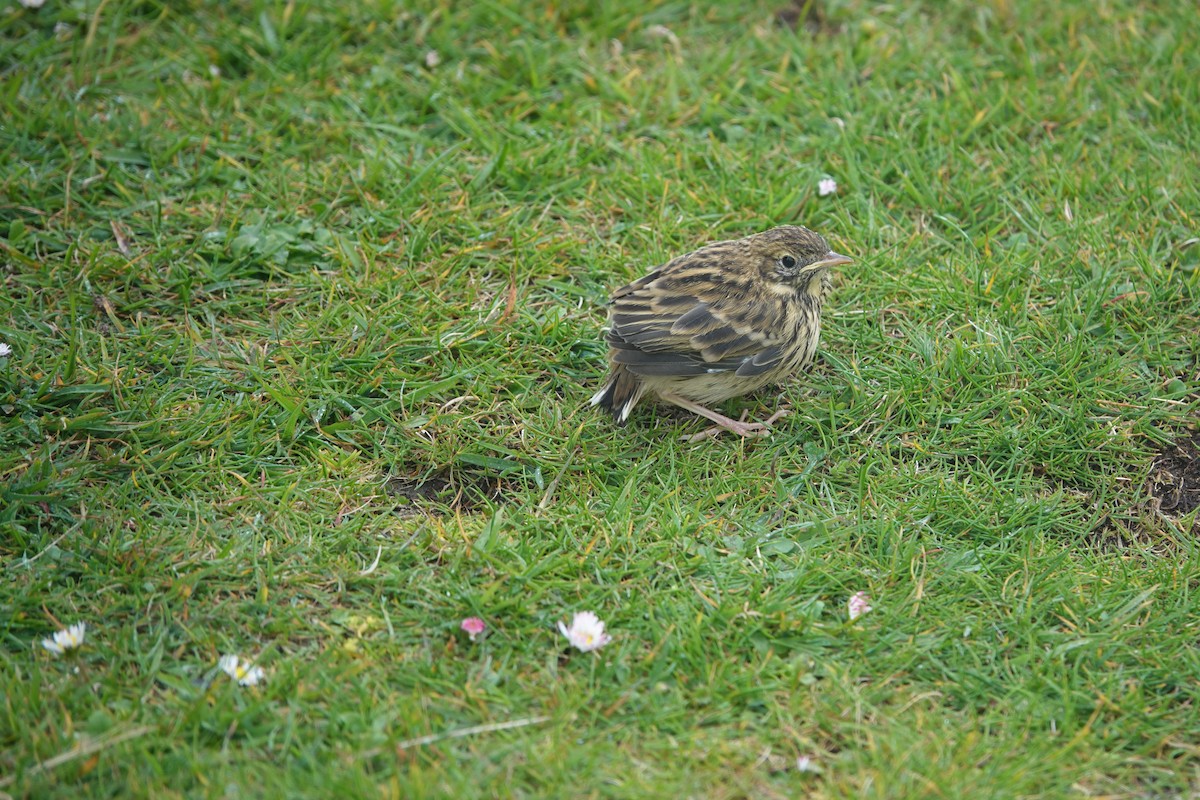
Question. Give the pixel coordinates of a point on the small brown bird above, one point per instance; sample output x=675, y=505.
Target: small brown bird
x=719, y=322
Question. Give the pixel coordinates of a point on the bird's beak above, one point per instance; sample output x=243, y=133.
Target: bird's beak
x=833, y=259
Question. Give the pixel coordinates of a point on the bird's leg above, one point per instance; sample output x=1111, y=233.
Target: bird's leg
x=723, y=422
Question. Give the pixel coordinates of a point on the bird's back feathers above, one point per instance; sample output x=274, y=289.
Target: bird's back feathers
x=691, y=318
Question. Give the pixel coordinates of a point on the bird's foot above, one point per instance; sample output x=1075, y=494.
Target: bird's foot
x=740, y=427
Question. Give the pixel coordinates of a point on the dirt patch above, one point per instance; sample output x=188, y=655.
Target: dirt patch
x=445, y=492
x=1172, y=490
x=807, y=13
x=1174, y=480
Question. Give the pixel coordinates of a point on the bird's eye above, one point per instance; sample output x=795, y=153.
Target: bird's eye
x=788, y=262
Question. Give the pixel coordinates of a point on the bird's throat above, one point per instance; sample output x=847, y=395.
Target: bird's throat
x=818, y=285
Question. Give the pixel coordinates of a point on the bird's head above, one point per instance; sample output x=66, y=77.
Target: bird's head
x=793, y=256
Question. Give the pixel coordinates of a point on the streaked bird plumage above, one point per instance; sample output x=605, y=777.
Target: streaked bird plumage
x=719, y=322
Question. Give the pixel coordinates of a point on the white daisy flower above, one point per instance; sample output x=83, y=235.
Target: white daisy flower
x=245, y=673
x=586, y=631
x=65, y=640
x=826, y=186
x=807, y=764
x=859, y=604
x=5, y=350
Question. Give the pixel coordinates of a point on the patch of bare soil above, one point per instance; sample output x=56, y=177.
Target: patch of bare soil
x=1172, y=490
x=1174, y=480
x=810, y=14
x=445, y=492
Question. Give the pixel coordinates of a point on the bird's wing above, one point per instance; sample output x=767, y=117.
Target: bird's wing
x=686, y=324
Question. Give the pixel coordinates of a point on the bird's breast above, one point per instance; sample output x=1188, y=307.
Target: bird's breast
x=805, y=322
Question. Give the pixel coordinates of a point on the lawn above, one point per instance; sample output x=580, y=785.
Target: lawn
x=304, y=304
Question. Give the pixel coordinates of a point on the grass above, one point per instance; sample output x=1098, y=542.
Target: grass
x=284, y=294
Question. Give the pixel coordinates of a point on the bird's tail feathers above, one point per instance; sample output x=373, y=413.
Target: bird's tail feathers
x=620, y=394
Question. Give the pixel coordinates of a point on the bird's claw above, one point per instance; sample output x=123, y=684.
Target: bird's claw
x=740, y=427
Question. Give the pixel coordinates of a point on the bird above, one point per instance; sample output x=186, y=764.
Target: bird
x=717, y=323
